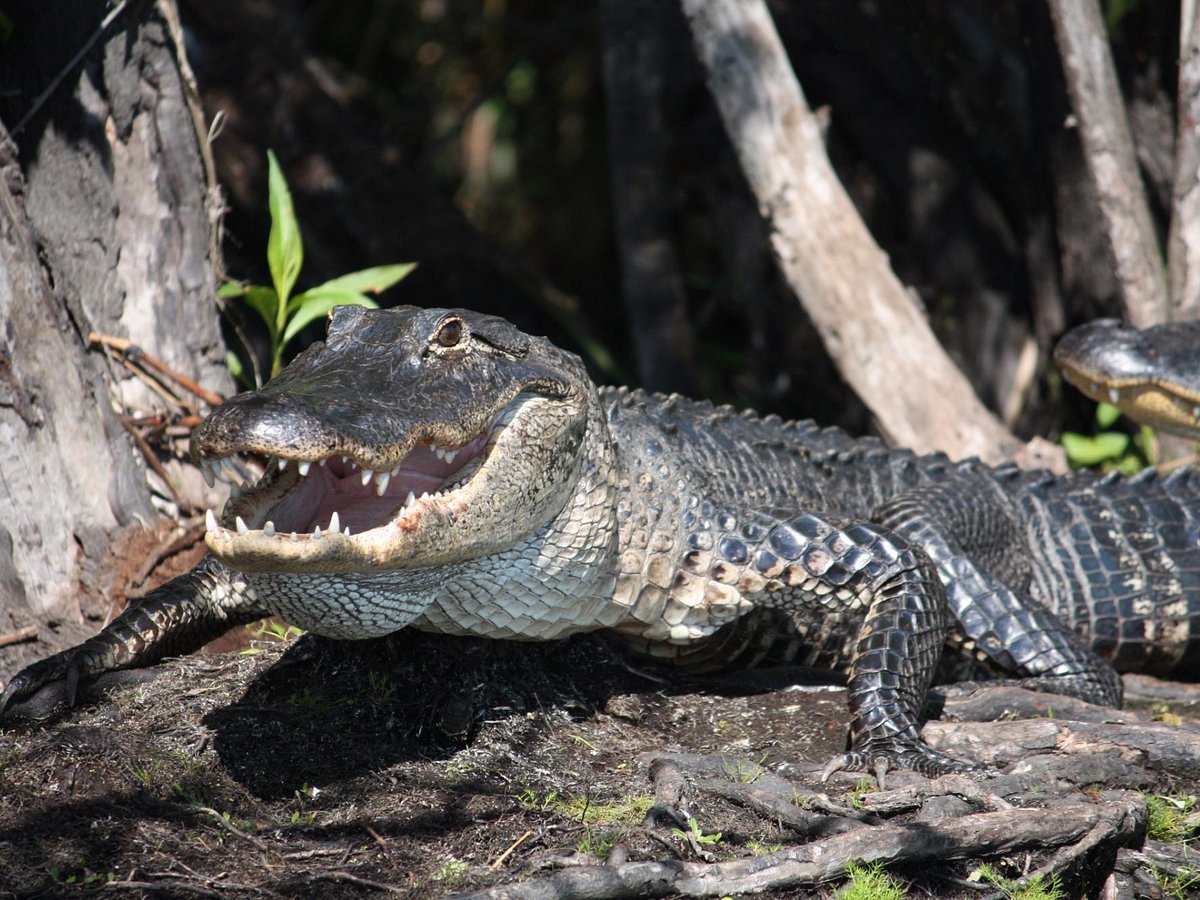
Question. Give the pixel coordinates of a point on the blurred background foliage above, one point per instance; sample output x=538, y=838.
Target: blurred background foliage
x=473, y=137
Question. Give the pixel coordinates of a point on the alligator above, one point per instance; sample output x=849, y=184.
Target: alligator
x=1150, y=374
x=442, y=470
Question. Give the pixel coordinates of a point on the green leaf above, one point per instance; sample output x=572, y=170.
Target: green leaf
x=265, y=302
x=1106, y=414
x=285, y=251
x=318, y=302
x=232, y=289
x=1091, y=451
x=368, y=281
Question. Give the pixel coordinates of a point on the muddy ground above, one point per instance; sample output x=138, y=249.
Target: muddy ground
x=432, y=766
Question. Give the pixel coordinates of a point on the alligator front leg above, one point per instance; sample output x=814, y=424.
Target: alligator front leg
x=177, y=618
x=1010, y=633
x=827, y=578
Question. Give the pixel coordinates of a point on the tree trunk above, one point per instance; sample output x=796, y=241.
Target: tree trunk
x=106, y=227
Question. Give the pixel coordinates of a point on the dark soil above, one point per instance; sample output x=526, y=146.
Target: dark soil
x=432, y=766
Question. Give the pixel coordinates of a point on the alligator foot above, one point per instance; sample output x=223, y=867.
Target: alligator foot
x=878, y=757
x=46, y=687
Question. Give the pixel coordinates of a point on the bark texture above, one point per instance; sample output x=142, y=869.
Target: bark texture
x=106, y=228
x=1108, y=146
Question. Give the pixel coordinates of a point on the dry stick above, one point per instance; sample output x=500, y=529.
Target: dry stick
x=1111, y=161
x=1183, y=242
x=874, y=330
x=131, y=351
x=28, y=633
x=983, y=834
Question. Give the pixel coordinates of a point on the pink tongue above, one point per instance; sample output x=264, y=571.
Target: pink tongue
x=360, y=507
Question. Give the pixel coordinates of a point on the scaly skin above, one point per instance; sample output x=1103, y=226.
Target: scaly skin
x=705, y=537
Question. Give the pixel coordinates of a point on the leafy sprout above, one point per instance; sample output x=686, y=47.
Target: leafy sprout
x=286, y=315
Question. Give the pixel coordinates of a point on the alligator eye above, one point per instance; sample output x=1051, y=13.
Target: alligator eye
x=450, y=333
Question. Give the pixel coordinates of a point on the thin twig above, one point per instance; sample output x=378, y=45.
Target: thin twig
x=499, y=861
x=234, y=830
x=136, y=354
x=28, y=633
x=152, y=461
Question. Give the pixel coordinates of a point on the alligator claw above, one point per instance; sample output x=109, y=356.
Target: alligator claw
x=62, y=667
x=881, y=756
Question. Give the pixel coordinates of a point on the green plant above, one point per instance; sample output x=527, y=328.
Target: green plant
x=1183, y=885
x=284, y=314
x=1168, y=817
x=451, y=873
x=1039, y=887
x=694, y=834
x=1110, y=450
x=870, y=883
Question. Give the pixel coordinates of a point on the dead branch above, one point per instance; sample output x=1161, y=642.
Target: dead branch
x=1183, y=242
x=1166, y=748
x=983, y=834
x=1111, y=161
x=873, y=329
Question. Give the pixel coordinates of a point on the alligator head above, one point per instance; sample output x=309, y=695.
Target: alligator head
x=409, y=438
x=1149, y=374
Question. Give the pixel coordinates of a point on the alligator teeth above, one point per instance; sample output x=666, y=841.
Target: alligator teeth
x=304, y=467
x=409, y=500
x=1196, y=412
x=317, y=533
x=293, y=537
x=334, y=524
x=347, y=531
x=241, y=527
x=382, y=478
x=1113, y=396
x=367, y=475
x=449, y=455
x=282, y=464
x=269, y=529
x=210, y=521
x=209, y=471
x=324, y=459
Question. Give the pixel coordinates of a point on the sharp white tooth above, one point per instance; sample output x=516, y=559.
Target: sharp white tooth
x=434, y=447
x=450, y=454
x=293, y=537
x=395, y=471
x=282, y=464
x=210, y=521
x=345, y=459
x=209, y=472
x=382, y=480
x=1113, y=396
x=1196, y=412
x=439, y=453
x=324, y=459
x=241, y=527
x=347, y=531
x=409, y=500
x=367, y=475
x=304, y=467
x=269, y=529
x=334, y=525
x=424, y=495
x=317, y=533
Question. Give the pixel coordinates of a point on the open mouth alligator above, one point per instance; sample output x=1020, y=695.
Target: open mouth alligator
x=441, y=470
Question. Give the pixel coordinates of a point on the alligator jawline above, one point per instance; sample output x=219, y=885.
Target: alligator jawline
x=331, y=513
